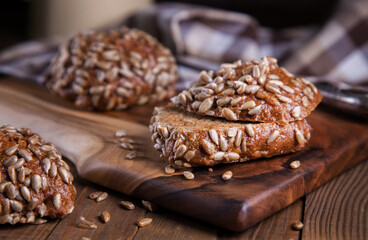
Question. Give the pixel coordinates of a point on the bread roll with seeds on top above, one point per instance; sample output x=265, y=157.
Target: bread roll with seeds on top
x=256, y=91
x=35, y=181
x=112, y=70
x=188, y=139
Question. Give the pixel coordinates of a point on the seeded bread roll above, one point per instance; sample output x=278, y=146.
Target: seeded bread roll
x=251, y=91
x=35, y=181
x=188, y=139
x=112, y=71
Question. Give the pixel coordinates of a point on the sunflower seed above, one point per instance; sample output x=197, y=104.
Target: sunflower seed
x=25, y=154
x=64, y=174
x=10, y=161
x=218, y=156
x=11, y=150
x=261, y=94
x=256, y=72
x=287, y=89
x=223, y=143
x=235, y=101
x=19, y=163
x=46, y=165
x=12, y=176
x=231, y=132
x=10, y=191
x=247, y=105
x=273, y=76
x=53, y=170
x=178, y=163
x=298, y=225
x=308, y=92
x=249, y=130
x=35, y=150
x=223, y=101
x=127, y=205
x=25, y=193
x=255, y=111
x=16, y=206
x=169, y=169
x=283, y=98
x=180, y=151
x=272, y=88
x=231, y=156
x=83, y=223
x=21, y=175
x=57, y=201
x=252, y=89
x=36, y=182
x=105, y=217
x=229, y=114
x=144, y=222
x=3, y=185
x=102, y=197
x=131, y=155
x=189, y=155
x=295, y=113
x=195, y=105
x=273, y=136
x=188, y=175
x=244, y=146
x=149, y=206
x=305, y=101
x=214, y=136
x=262, y=79
x=238, y=138
x=206, y=105
x=30, y=217
x=275, y=83
x=5, y=205
x=27, y=181
x=227, y=175
x=208, y=146
x=299, y=137
x=295, y=164
x=182, y=99
x=32, y=204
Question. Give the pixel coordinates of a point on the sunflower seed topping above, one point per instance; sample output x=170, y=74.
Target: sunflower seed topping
x=214, y=136
x=11, y=150
x=249, y=130
x=180, y=151
x=25, y=154
x=295, y=113
x=208, y=146
x=247, y=105
x=206, y=105
x=218, y=156
x=255, y=111
x=36, y=182
x=273, y=136
x=229, y=114
x=25, y=193
x=299, y=137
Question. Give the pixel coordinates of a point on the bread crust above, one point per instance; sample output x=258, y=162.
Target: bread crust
x=257, y=91
x=112, y=71
x=188, y=139
x=35, y=181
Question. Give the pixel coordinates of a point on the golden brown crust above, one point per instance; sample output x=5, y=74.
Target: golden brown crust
x=251, y=91
x=114, y=70
x=188, y=139
x=35, y=181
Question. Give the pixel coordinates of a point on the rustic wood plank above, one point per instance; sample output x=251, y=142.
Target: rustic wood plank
x=339, y=209
x=278, y=226
x=166, y=225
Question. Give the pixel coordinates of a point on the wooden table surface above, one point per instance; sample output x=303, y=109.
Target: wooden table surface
x=337, y=210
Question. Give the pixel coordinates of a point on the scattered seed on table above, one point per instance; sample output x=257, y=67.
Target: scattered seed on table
x=127, y=205
x=94, y=195
x=86, y=238
x=188, y=175
x=149, y=206
x=83, y=223
x=131, y=155
x=227, y=175
x=102, y=197
x=169, y=169
x=295, y=164
x=298, y=225
x=105, y=216
x=144, y=222
x=210, y=169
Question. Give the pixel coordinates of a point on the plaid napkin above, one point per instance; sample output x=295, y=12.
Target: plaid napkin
x=203, y=38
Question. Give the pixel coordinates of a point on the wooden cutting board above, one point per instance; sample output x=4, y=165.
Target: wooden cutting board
x=257, y=190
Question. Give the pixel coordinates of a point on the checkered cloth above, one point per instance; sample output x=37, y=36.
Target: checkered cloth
x=203, y=38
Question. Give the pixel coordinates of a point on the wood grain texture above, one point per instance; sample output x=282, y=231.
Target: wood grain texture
x=257, y=190
x=339, y=209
